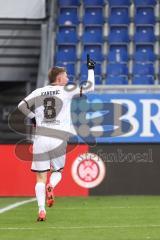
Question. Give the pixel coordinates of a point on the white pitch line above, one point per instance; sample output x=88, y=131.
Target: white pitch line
x=17, y=204
x=82, y=227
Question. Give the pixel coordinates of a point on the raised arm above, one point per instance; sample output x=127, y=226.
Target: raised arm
x=89, y=85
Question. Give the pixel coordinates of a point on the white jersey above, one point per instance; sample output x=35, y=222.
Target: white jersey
x=52, y=107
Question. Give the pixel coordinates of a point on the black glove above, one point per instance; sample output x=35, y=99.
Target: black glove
x=90, y=62
x=33, y=120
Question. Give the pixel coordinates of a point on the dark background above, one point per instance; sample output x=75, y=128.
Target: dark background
x=130, y=176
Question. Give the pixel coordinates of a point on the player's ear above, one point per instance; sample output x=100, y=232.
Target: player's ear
x=58, y=78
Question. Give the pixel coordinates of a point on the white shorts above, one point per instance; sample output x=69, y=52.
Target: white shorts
x=48, y=153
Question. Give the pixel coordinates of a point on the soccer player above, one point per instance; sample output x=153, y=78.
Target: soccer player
x=51, y=116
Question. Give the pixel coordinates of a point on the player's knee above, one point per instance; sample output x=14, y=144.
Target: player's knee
x=42, y=177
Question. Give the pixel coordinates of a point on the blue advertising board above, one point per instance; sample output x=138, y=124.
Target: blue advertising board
x=118, y=118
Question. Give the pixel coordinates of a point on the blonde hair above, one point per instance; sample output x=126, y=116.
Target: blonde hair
x=53, y=73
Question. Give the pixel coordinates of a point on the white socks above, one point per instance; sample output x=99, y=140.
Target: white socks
x=55, y=178
x=40, y=190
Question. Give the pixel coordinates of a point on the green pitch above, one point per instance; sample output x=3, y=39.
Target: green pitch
x=90, y=218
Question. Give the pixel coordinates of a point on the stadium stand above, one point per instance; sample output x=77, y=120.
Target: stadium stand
x=114, y=80
x=119, y=34
x=141, y=79
x=144, y=35
x=119, y=16
x=93, y=16
x=123, y=3
x=144, y=16
x=69, y=2
x=92, y=35
x=117, y=53
x=145, y=2
x=95, y=52
x=67, y=35
x=68, y=16
x=65, y=53
x=115, y=69
x=144, y=54
x=143, y=69
x=93, y=3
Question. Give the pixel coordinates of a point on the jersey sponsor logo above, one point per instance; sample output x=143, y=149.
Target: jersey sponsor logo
x=88, y=170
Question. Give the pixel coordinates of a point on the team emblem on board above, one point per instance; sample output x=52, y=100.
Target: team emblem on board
x=88, y=170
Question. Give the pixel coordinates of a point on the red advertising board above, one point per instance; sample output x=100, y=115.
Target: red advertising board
x=16, y=178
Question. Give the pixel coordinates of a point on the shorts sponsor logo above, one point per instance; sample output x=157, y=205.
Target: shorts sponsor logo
x=88, y=170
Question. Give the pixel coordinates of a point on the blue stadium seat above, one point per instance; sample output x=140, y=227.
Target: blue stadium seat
x=116, y=69
x=93, y=2
x=66, y=53
x=144, y=35
x=68, y=16
x=92, y=35
x=69, y=3
x=144, y=16
x=67, y=35
x=145, y=79
x=118, y=35
x=69, y=66
x=119, y=3
x=119, y=16
x=117, y=54
x=144, y=54
x=95, y=52
x=98, y=79
x=143, y=69
x=93, y=16
x=117, y=80
x=144, y=3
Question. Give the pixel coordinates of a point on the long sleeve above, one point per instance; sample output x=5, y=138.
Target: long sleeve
x=25, y=105
x=89, y=86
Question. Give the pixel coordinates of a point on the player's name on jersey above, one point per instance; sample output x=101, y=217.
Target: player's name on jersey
x=50, y=93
